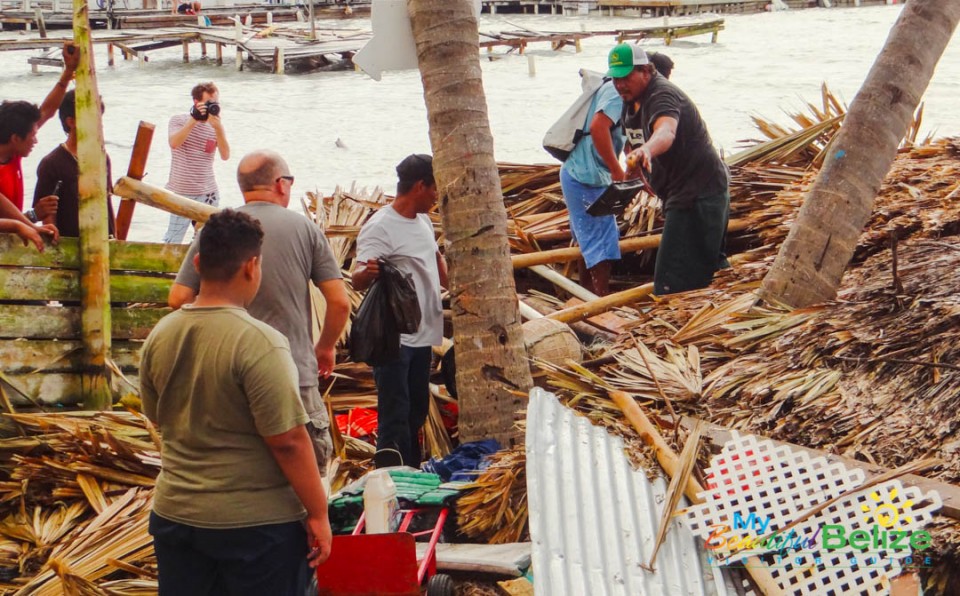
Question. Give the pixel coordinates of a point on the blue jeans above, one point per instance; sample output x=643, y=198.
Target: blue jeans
x=403, y=402
x=269, y=559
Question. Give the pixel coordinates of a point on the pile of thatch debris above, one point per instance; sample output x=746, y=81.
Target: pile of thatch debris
x=871, y=375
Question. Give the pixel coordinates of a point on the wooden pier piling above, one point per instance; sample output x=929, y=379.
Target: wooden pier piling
x=94, y=251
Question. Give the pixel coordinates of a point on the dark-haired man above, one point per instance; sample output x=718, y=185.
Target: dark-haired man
x=238, y=470
x=19, y=123
x=60, y=169
x=194, y=139
x=295, y=253
x=403, y=234
x=667, y=138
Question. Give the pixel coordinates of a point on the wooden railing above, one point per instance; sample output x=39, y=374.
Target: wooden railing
x=39, y=337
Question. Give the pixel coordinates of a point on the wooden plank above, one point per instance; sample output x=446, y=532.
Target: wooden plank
x=124, y=256
x=64, y=285
x=58, y=388
x=23, y=356
x=949, y=493
x=63, y=322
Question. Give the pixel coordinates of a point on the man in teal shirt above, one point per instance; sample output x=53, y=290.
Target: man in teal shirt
x=593, y=164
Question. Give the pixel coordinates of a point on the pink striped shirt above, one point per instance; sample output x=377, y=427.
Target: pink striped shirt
x=191, y=169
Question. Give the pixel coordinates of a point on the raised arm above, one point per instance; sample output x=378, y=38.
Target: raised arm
x=50, y=105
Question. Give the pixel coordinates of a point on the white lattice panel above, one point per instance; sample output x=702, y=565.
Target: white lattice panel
x=765, y=487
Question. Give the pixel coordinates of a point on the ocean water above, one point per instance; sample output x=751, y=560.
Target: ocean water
x=764, y=64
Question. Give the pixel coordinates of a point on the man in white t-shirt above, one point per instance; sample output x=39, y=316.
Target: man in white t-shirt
x=194, y=140
x=403, y=234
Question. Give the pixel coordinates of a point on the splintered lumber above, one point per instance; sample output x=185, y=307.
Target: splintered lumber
x=154, y=196
x=138, y=163
x=670, y=462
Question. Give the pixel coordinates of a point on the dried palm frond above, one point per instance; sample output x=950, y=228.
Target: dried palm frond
x=494, y=506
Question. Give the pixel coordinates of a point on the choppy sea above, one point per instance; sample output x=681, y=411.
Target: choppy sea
x=763, y=64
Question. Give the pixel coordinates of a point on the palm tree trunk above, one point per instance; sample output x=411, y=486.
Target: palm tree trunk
x=492, y=368
x=822, y=241
x=94, y=249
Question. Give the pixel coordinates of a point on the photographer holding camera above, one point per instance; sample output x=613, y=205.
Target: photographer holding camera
x=194, y=138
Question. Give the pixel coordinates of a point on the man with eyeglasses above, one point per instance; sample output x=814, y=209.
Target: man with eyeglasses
x=295, y=253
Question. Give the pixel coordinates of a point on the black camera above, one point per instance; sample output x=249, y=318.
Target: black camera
x=213, y=109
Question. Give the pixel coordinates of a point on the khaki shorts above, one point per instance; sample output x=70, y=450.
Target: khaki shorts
x=318, y=427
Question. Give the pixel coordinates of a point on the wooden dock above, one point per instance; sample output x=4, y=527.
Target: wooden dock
x=57, y=14
x=281, y=48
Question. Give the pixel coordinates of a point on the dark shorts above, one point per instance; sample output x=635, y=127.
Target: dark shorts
x=692, y=247
x=268, y=559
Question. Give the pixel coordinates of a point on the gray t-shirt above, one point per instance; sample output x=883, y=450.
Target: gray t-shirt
x=295, y=252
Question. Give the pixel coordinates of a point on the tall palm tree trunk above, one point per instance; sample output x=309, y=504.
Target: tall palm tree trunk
x=491, y=359
x=822, y=241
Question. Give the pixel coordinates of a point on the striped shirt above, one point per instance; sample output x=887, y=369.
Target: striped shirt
x=191, y=169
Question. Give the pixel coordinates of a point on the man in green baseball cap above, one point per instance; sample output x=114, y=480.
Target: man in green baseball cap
x=667, y=138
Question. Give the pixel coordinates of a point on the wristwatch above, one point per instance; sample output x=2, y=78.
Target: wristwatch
x=31, y=215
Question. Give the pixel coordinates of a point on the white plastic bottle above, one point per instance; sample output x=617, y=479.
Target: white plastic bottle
x=380, y=503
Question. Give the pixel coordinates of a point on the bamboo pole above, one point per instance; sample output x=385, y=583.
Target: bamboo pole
x=138, y=163
x=564, y=283
x=563, y=255
x=95, y=321
x=670, y=463
x=160, y=198
x=600, y=305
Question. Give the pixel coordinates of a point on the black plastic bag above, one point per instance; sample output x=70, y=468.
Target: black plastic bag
x=374, y=338
x=402, y=296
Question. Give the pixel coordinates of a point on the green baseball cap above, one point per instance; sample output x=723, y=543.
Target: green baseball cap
x=623, y=58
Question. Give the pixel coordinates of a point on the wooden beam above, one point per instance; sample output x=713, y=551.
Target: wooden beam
x=64, y=285
x=27, y=321
x=562, y=255
x=161, y=198
x=138, y=164
x=124, y=256
x=22, y=356
x=600, y=305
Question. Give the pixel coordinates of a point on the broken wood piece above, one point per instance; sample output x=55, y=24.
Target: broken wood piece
x=670, y=463
x=138, y=164
x=160, y=198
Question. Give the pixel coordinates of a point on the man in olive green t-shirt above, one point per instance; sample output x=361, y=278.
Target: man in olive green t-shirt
x=239, y=501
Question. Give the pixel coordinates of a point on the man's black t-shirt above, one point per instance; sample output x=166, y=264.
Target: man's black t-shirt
x=691, y=169
x=61, y=166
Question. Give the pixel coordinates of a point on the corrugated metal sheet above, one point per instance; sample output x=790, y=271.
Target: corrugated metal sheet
x=594, y=519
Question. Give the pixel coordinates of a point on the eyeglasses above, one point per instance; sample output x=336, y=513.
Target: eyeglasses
x=288, y=178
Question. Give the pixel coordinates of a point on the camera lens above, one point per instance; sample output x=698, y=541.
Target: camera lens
x=213, y=108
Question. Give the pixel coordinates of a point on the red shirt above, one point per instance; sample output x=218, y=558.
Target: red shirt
x=11, y=181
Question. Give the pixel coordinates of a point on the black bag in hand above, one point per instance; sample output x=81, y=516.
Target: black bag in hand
x=374, y=338
x=402, y=298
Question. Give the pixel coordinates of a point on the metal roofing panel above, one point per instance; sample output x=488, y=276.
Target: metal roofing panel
x=594, y=519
